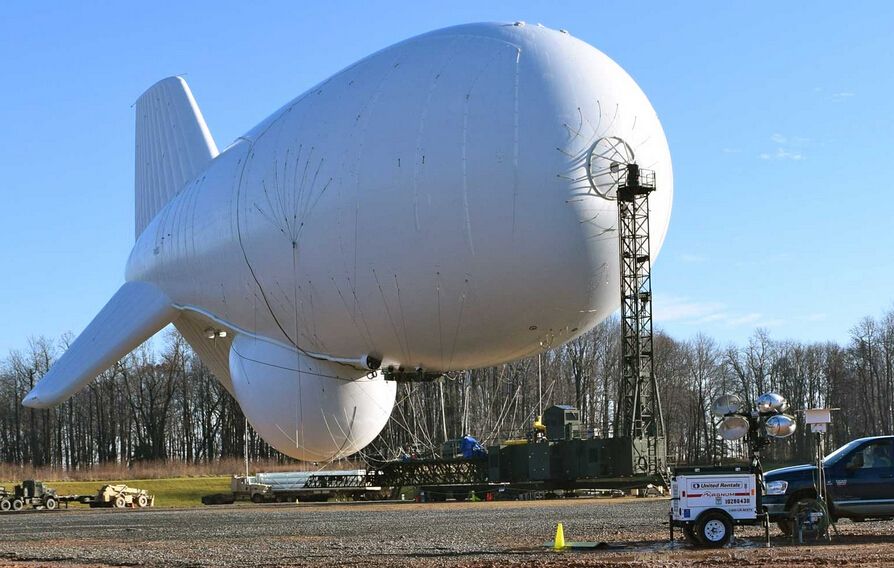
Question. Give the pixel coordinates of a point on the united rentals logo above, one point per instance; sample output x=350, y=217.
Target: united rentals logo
x=718, y=485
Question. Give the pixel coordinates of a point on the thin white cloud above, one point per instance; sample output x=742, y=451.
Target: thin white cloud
x=745, y=319
x=843, y=96
x=685, y=311
x=682, y=309
x=819, y=316
x=787, y=147
x=730, y=150
x=782, y=154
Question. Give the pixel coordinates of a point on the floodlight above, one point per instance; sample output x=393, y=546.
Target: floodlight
x=781, y=426
x=771, y=402
x=726, y=404
x=733, y=428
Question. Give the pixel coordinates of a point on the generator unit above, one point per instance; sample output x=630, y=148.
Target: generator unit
x=562, y=422
x=565, y=461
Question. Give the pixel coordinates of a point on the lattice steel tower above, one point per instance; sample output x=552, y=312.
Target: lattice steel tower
x=639, y=416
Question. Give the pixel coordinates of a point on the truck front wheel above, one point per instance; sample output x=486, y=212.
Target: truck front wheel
x=785, y=527
x=714, y=529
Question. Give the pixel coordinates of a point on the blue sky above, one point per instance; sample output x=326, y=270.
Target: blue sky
x=778, y=116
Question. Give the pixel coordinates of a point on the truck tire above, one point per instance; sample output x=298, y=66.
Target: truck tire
x=801, y=514
x=691, y=536
x=120, y=502
x=17, y=505
x=5, y=505
x=714, y=529
x=50, y=503
x=142, y=501
x=785, y=527
x=257, y=498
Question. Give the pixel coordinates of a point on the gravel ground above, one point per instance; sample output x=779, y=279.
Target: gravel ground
x=445, y=534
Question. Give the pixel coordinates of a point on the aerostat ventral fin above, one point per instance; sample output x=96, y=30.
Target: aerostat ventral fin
x=136, y=312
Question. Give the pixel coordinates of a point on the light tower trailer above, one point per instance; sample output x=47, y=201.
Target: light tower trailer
x=708, y=502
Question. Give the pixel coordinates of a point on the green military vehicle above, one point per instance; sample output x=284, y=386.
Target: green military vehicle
x=29, y=493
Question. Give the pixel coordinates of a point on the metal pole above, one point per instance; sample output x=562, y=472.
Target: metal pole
x=540, y=386
x=443, y=414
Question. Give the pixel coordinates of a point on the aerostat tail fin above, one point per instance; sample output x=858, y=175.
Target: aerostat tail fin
x=136, y=312
x=173, y=146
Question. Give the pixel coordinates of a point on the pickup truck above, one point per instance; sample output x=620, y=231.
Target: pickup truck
x=859, y=483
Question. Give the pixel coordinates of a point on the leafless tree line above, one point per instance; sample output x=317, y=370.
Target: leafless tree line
x=164, y=404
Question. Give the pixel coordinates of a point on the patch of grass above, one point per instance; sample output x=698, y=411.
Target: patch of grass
x=174, y=492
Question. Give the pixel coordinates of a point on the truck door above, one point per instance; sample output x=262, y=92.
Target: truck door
x=864, y=487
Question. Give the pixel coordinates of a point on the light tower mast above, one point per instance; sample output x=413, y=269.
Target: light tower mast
x=639, y=415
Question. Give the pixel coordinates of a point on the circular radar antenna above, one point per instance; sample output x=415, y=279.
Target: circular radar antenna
x=606, y=164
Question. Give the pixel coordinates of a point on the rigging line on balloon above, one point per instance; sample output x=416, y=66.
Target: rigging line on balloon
x=351, y=315
x=403, y=322
x=339, y=447
x=271, y=216
x=614, y=117
x=515, y=135
x=388, y=313
x=570, y=155
x=397, y=404
x=281, y=198
x=254, y=276
x=403, y=423
x=417, y=414
x=313, y=205
x=421, y=129
x=504, y=410
x=459, y=320
x=464, y=152
x=359, y=310
x=306, y=195
x=440, y=328
x=296, y=194
x=465, y=177
x=288, y=194
x=303, y=189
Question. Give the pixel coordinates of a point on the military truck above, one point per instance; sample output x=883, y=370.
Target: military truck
x=29, y=493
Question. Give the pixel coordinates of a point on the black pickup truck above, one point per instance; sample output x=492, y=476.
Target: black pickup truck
x=859, y=480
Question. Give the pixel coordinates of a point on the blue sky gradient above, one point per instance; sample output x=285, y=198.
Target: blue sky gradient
x=778, y=116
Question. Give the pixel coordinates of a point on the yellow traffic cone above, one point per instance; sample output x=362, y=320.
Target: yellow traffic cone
x=559, y=543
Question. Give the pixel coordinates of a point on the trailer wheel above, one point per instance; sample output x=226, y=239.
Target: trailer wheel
x=17, y=505
x=692, y=536
x=714, y=529
x=5, y=505
x=142, y=501
x=50, y=503
x=120, y=502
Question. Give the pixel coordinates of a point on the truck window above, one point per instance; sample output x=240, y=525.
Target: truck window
x=871, y=456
